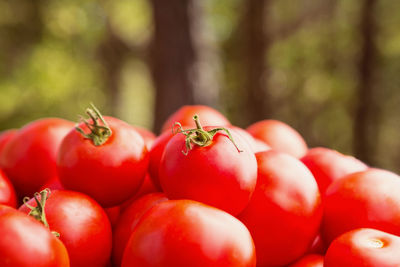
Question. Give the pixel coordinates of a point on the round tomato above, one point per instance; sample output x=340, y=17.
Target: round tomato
x=106, y=160
x=364, y=248
x=285, y=211
x=279, y=136
x=369, y=199
x=189, y=233
x=81, y=222
x=26, y=242
x=29, y=158
x=310, y=260
x=6, y=136
x=7, y=192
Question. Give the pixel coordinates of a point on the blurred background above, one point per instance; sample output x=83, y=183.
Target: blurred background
x=330, y=69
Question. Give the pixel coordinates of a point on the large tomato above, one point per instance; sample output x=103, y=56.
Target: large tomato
x=26, y=242
x=29, y=158
x=82, y=224
x=328, y=165
x=218, y=171
x=364, y=248
x=189, y=233
x=279, y=136
x=285, y=212
x=107, y=162
x=310, y=260
x=6, y=136
x=369, y=199
x=7, y=192
x=184, y=116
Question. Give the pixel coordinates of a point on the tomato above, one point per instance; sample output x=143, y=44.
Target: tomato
x=328, y=165
x=25, y=242
x=279, y=136
x=256, y=145
x=189, y=233
x=147, y=136
x=7, y=192
x=184, y=116
x=29, y=158
x=364, y=248
x=318, y=246
x=310, y=260
x=82, y=224
x=368, y=199
x=129, y=219
x=285, y=211
x=6, y=136
x=220, y=173
x=109, y=166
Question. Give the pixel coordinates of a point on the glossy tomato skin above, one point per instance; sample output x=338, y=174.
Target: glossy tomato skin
x=189, y=233
x=147, y=136
x=364, y=247
x=29, y=158
x=279, y=136
x=218, y=174
x=83, y=226
x=328, y=165
x=6, y=136
x=255, y=144
x=310, y=260
x=7, y=193
x=285, y=211
x=368, y=199
x=110, y=173
x=184, y=116
x=25, y=242
x=129, y=219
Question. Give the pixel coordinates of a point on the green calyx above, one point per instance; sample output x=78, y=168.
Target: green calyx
x=99, y=134
x=38, y=212
x=199, y=136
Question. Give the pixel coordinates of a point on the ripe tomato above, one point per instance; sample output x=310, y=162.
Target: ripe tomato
x=256, y=145
x=364, y=248
x=7, y=192
x=328, y=165
x=147, y=136
x=108, y=166
x=369, y=199
x=279, y=136
x=189, y=233
x=184, y=116
x=25, y=242
x=310, y=260
x=285, y=212
x=217, y=173
x=82, y=224
x=129, y=219
x=29, y=158
x=6, y=136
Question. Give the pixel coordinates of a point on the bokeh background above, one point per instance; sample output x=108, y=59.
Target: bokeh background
x=330, y=69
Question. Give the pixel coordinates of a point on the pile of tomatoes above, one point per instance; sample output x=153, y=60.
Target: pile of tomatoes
x=203, y=193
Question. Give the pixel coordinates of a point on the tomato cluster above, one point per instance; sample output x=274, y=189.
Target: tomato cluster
x=105, y=193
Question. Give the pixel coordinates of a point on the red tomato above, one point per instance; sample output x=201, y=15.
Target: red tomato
x=317, y=246
x=7, y=192
x=279, y=136
x=364, y=248
x=128, y=220
x=285, y=212
x=328, y=165
x=216, y=174
x=29, y=158
x=255, y=144
x=25, y=242
x=6, y=136
x=82, y=224
x=110, y=172
x=147, y=136
x=368, y=199
x=184, y=116
x=113, y=214
x=310, y=260
x=189, y=233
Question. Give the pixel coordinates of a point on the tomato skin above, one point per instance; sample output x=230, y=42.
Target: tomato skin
x=218, y=174
x=82, y=224
x=25, y=242
x=110, y=173
x=129, y=219
x=364, y=248
x=184, y=116
x=29, y=158
x=328, y=165
x=147, y=136
x=256, y=145
x=285, y=211
x=5, y=137
x=310, y=260
x=7, y=193
x=279, y=136
x=368, y=199
x=189, y=233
